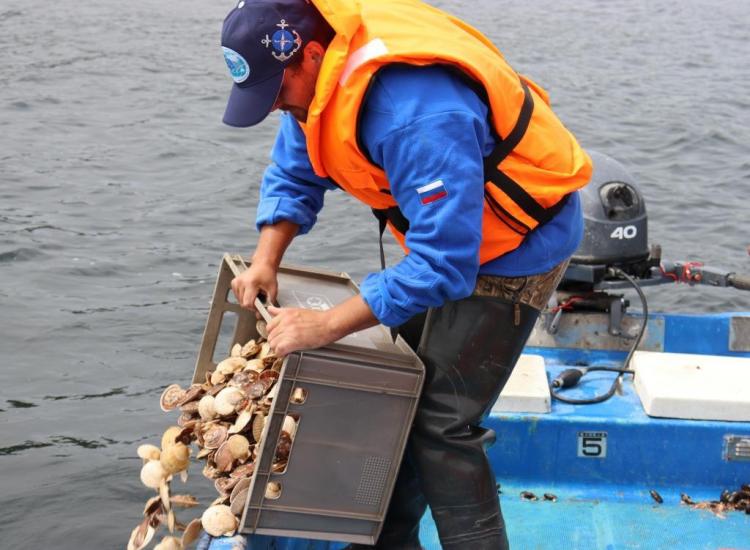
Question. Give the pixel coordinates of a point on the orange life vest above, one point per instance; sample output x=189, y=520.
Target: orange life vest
x=536, y=164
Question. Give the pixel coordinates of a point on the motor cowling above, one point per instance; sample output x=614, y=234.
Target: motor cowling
x=614, y=213
x=615, y=228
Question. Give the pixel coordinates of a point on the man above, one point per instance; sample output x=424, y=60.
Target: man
x=420, y=117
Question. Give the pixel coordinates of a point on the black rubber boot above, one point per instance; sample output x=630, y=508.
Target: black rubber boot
x=469, y=348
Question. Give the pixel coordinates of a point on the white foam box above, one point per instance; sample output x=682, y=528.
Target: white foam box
x=695, y=387
x=527, y=389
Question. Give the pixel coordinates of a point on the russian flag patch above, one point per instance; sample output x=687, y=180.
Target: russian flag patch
x=432, y=192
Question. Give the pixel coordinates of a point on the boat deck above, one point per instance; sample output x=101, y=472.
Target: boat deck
x=602, y=461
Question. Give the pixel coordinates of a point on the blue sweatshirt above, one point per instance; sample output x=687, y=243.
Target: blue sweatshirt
x=421, y=125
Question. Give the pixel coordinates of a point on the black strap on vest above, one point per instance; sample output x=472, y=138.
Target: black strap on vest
x=505, y=183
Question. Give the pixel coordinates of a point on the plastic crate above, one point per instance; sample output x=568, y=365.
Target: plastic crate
x=361, y=397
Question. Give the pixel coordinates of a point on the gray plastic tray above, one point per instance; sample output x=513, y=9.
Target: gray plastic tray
x=362, y=393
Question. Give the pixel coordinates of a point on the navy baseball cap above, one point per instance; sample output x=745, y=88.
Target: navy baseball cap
x=259, y=39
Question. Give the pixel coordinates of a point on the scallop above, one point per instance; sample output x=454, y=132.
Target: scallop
x=258, y=423
x=214, y=436
x=192, y=532
x=169, y=543
x=141, y=536
x=148, y=452
x=217, y=378
x=206, y=408
x=192, y=393
x=231, y=365
x=171, y=397
x=249, y=349
x=152, y=474
x=239, y=447
x=236, y=350
x=262, y=328
x=243, y=470
x=227, y=400
x=273, y=490
x=170, y=436
x=224, y=459
x=219, y=521
x=243, y=419
x=255, y=365
x=175, y=458
x=224, y=485
x=237, y=504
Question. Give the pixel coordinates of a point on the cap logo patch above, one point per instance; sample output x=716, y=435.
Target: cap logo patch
x=238, y=67
x=285, y=42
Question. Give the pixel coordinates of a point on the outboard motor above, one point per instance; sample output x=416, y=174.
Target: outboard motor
x=615, y=227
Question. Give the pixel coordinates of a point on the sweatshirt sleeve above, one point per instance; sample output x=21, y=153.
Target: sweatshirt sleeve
x=434, y=164
x=290, y=189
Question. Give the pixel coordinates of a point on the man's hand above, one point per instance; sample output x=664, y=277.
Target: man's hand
x=257, y=278
x=261, y=275
x=293, y=329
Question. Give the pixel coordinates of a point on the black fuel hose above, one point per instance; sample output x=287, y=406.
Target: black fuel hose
x=570, y=377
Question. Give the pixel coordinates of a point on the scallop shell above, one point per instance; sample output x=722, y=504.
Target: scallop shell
x=206, y=408
x=152, y=474
x=152, y=506
x=175, y=458
x=217, y=378
x=171, y=397
x=290, y=426
x=227, y=400
x=224, y=459
x=243, y=419
x=273, y=490
x=184, y=501
x=255, y=365
x=265, y=351
x=243, y=470
x=224, y=485
x=219, y=521
x=141, y=536
x=243, y=484
x=169, y=543
x=250, y=349
x=203, y=453
x=239, y=447
x=187, y=420
x=244, y=378
x=170, y=436
x=256, y=390
x=214, y=436
x=148, y=452
x=258, y=423
x=192, y=532
x=230, y=365
x=237, y=504
x=190, y=407
x=210, y=472
x=236, y=350
x=216, y=389
x=192, y=394
x=262, y=328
